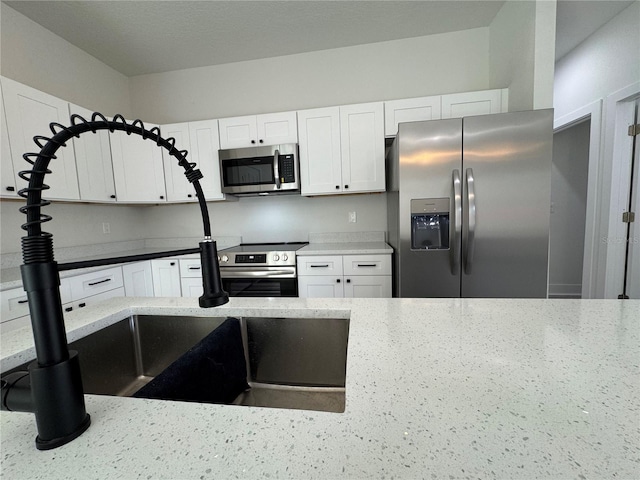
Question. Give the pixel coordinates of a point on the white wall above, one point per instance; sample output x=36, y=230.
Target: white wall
x=73, y=224
x=36, y=57
x=522, y=47
x=435, y=64
x=271, y=219
x=568, y=200
x=605, y=62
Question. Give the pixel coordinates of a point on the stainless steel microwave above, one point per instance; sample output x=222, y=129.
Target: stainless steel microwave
x=260, y=170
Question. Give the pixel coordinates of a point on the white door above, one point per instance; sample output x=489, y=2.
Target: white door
x=204, y=152
x=137, y=168
x=362, y=143
x=320, y=157
x=93, y=161
x=178, y=187
x=320, y=287
x=238, y=132
x=8, y=179
x=166, y=278
x=277, y=128
x=138, y=279
x=409, y=110
x=458, y=105
x=372, y=286
x=29, y=113
x=192, y=287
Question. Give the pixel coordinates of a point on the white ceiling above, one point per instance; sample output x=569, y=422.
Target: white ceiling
x=147, y=36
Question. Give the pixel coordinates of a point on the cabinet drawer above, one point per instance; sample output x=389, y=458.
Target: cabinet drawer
x=92, y=300
x=190, y=268
x=89, y=284
x=14, y=324
x=15, y=305
x=319, y=265
x=367, y=264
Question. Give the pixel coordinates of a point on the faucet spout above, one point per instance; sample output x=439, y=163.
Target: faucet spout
x=55, y=384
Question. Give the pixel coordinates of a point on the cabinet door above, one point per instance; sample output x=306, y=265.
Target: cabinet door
x=178, y=187
x=362, y=143
x=320, y=287
x=8, y=178
x=373, y=286
x=409, y=110
x=138, y=280
x=191, y=287
x=238, y=132
x=320, y=157
x=277, y=128
x=137, y=168
x=166, y=278
x=458, y=105
x=29, y=113
x=204, y=151
x=93, y=161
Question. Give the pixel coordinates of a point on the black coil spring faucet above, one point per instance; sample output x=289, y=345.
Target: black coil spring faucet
x=52, y=389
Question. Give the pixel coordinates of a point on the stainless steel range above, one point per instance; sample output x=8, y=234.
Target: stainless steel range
x=260, y=269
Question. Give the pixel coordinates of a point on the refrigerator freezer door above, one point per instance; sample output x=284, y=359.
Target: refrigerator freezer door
x=429, y=152
x=508, y=157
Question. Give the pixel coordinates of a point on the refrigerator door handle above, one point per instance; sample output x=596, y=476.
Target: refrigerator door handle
x=469, y=244
x=456, y=224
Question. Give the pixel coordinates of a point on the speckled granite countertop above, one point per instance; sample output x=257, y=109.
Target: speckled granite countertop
x=345, y=248
x=450, y=388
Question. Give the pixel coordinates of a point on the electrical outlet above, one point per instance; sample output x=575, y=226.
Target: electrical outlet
x=353, y=217
x=106, y=228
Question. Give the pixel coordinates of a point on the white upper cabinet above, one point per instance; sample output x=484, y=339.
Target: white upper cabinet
x=362, y=140
x=29, y=113
x=9, y=180
x=342, y=149
x=256, y=130
x=320, y=156
x=200, y=139
x=468, y=104
x=137, y=168
x=93, y=161
x=409, y=110
x=204, y=152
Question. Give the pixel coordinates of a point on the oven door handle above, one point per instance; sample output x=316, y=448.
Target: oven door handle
x=276, y=172
x=248, y=272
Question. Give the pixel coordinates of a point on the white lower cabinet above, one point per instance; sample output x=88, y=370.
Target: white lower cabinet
x=191, y=287
x=351, y=276
x=166, y=277
x=138, y=280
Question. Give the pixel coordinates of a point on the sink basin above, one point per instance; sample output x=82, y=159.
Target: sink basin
x=297, y=363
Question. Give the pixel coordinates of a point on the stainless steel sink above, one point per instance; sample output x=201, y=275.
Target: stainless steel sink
x=297, y=363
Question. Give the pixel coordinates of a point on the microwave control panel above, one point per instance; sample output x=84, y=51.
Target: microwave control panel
x=286, y=168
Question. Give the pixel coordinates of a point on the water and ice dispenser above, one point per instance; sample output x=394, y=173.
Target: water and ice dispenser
x=430, y=223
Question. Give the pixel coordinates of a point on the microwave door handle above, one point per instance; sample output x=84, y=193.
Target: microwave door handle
x=276, y=172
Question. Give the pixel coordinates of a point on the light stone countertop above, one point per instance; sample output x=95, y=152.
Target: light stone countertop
x=345, y=248
x=435, y=388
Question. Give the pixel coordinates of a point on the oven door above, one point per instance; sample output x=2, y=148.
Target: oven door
x=259, y=281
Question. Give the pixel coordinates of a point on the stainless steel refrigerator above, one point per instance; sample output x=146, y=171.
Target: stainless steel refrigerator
x=468, y=206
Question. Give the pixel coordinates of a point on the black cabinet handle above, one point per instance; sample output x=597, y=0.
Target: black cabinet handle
x=99, y=282
x=348, y=280
x=161, y=197
x=189, y=195
x=82, y=305
x=23, y=301
x=172, y=264
x=68, y=309
x=338, y=280
x=112, y=196
x=11, y=189
x=337, y=187
x=253, y=141
x=346, y=186
x=366, y=264
x=194, y=268
x=261, y=141
x=319, y=266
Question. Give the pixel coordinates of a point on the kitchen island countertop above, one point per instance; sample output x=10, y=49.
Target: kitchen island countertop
x=435, y=388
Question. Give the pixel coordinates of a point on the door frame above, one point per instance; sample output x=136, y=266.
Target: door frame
x=592, y=112
x=619, y=110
